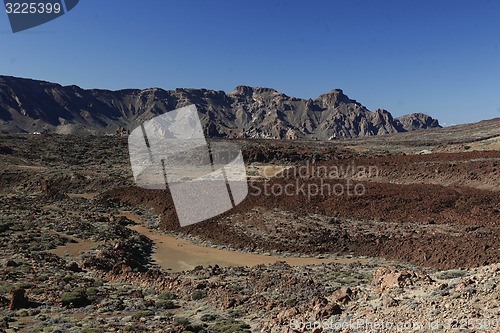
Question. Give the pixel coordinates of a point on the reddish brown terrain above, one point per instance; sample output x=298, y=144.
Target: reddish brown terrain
x=425, y=206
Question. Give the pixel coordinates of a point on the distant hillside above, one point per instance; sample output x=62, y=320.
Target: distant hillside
x=28, y=106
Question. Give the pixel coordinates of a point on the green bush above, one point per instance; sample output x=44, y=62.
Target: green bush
x=135, y=328
x=451, y=274
x=208, y=317
x=143, y=314
x=178, y=321
x=231, y=326
x=194, y=329
x=168, y=314
x=37, y=291
x=92, y=292
x=235, y=313
x=167, y=296
x=6, y=288
x=168, y=305
x=42, y=278
x=68, y=278
x=74, y=299
x=198, y=294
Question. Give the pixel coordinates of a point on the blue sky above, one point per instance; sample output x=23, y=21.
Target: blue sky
x=437, y=57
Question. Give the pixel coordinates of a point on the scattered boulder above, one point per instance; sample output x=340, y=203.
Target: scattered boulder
x=200, y=285
x=4, y=302
x=321, y=309
x=389, y=302
x=74, y=267
x=136, y=294
x=390, y=278
x=122, y=220
x=18, y=299
x=5, y=150
x=11, y=263
x=286, y=315
x=343, y=295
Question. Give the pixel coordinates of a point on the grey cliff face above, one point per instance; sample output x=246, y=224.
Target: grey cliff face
x=28, y=106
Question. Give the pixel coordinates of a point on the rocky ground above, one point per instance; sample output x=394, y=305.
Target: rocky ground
x=425, y=232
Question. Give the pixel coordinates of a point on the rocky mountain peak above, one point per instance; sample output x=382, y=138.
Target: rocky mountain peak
x=333, y=99
x=249, y=91
x=242, y=90
x=416, y=121
x=28, y=106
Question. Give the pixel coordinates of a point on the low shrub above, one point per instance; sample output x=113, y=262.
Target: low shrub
x=198, y=294
x=75, y=299
x=167, y=296
x=451, y=274
x=231, y=326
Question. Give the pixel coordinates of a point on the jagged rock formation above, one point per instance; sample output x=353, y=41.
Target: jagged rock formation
x=416, y=121
x=29, y=106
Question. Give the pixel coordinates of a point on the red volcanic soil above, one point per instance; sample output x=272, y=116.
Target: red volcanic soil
x=404, y=214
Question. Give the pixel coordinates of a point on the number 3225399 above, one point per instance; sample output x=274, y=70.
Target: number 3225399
x=32, y=8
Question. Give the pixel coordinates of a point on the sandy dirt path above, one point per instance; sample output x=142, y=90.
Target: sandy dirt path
x=176, y=254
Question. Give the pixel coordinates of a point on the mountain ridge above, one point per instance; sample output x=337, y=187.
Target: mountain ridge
x=28, y=106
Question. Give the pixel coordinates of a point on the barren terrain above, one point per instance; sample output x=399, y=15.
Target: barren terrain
x=84, y=250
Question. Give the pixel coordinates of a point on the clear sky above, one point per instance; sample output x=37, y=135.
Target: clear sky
x=437, y=57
